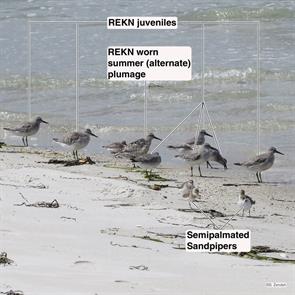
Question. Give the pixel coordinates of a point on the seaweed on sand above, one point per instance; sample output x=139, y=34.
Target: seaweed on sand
x=258, y=253
x=68, y=163
x=4, y=259
x=42, y=204
x=11, y=292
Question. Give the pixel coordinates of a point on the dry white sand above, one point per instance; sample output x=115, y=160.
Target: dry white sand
x=93, y=243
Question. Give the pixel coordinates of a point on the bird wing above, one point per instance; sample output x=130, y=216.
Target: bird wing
x=143, y=158
x=24, y=128
x=135, y=145
x=69, y=139
x=191, y=156
x=257, y=160
x=113, y=145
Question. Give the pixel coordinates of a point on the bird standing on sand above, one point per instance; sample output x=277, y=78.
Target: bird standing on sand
x=245, y=202
x=116, y=147
x=215, y=154
x=27, y=129
x=189, y=191
x=140, y=146
x=76, y=141
x=261, y=162
x=196, y=157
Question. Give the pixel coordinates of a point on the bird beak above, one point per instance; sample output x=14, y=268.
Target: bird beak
x=157, y=137
x=208, y=134
x=44, y=121
x=93, y=134
x=278, y=152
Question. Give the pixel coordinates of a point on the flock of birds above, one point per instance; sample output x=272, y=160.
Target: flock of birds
x=194, y=152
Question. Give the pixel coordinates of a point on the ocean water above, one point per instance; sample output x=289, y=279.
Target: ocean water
x=115, y=110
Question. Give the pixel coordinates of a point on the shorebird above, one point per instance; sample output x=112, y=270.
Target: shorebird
x=245, y=202
x=200, y=140
x=215, y=156
x=148, y=161
x=140, y=146
x=196, y=157
x=116, y=147
x=76, y=141
x=193, y=143
x=261, y=162
x=27, y=129
x=189, y=191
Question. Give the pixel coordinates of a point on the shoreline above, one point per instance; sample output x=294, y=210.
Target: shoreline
x=112, y=234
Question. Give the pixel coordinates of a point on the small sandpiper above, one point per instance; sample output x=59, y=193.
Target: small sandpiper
x=189, y=191
x=76, y=141
x=245, y=202
x=139, y=147
x=27, y=129
x=261, y=162
x=116, y=147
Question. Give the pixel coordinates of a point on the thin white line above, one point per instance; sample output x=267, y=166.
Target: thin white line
x=145, y=110
x=68, y=21
x=198, y=126
x=177, y=126
x=219, y=22
x=214, y=133
x=203, y=63
x=207, y=216
x=228, y=222
x=29, y=90
x=258, y=87
x=77, y=77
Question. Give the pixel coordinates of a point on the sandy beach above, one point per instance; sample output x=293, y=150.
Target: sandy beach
x=112, y=234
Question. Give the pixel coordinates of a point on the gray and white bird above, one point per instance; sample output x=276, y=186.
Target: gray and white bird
x=201, y=138
x=27, y=129
x=139, y=147
x=245, y=202
x=116, y=147
x=193, y=141
x=196, y=156
x=189, y=191
x=148, y=161
x=261, y=162
x=215, y=156
x=75, y=141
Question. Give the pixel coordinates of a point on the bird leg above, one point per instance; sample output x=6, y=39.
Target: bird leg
x=257, y=175
x=23, y=140
x=249, y=212
x=243, y=213
x=26, y=138
x=209, y=165
x=77, y=157
x=200, y=171
x=192, y=171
